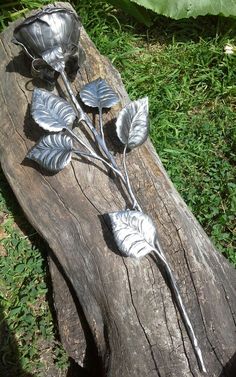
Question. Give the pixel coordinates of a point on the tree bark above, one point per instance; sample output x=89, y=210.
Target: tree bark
x=126, y=306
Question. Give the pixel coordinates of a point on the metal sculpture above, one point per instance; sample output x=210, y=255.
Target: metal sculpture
x=50, y=38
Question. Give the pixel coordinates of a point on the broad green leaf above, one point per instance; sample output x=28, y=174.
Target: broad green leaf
x=189, y=8
x=133, y=10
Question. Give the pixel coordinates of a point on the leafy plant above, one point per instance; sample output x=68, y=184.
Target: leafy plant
x=189, y=8
x=134, y=10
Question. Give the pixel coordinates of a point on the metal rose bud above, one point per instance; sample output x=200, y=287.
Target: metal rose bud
x=51, y=36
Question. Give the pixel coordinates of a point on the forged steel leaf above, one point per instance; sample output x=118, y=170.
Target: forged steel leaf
x=52, y=152
x=51, y=112
x=132, y=123
x=99, y=94
x=134, y=233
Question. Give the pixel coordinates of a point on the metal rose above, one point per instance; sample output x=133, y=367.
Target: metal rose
x=51, y=36
x=50, y=39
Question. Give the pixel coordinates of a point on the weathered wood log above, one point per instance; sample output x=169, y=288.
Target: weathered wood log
x=74, y=333
x=68, y=322
x=127, y=306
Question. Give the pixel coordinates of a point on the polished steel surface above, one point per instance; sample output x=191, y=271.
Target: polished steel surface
x=134, y=233
x=132, y=123
x=51, y=38
x=99, y=94
x=51, y=112
x=49, y=29
x=52, y=152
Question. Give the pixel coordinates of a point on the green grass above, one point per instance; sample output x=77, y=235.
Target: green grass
x=27, y=340
x=181, y=66
x=11, y=10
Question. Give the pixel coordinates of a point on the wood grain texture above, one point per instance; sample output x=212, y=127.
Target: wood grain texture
x=127, y=305
x=71, y=332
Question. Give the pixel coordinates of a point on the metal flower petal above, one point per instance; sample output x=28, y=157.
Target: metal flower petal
x=50, y=28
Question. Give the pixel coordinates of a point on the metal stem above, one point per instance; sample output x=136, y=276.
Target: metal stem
x=181, y=307
x=83, y=117
x=97, y=157
x=101, y=124
x=128, y=185
x=77, y=138
x=100, y=140
x=116, y=171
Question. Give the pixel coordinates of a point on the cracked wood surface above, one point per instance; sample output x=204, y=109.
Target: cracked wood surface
x=126, y=304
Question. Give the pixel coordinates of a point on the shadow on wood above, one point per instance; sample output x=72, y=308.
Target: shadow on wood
x=230, y=368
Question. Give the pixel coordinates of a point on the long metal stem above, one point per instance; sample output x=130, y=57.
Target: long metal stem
x=128, y=185
x=83, y=117
x=77, y=138
x=97, y=157
x=116, y=171
x=92, y=154
x=185, y=318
